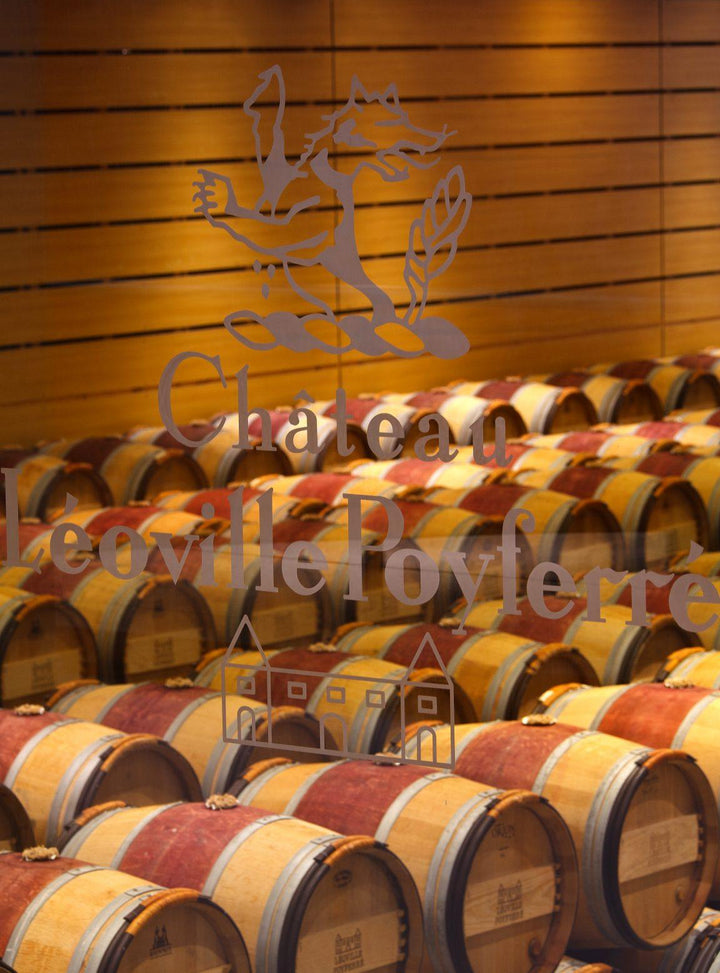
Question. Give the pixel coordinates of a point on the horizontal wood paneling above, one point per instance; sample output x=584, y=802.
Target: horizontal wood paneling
x=90, y=25
x=692, y=298
x=165, y=192
x=692, y=334
x=691, y=20
x=406, y=22
x=594, y=218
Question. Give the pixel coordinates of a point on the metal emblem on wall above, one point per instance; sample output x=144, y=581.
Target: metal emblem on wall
x=376, y=125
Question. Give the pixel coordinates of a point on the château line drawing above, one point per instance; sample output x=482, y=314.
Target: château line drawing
x=242, y=678
x=374, y=126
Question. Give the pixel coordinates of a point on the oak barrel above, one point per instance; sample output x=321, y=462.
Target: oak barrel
x=570, y=965
x=496, y=870
x=671, y=714
x=676, y=386
x=463, y=413
x=659, y=516
x=144, y=625
x=615, y=399
x=133, y=471
x=306, y=899
x=43, y=482
x=360, y=702
x=422, y=473
x=703, y=472
x=195, y=722
x=502, y=675
x=397, y=435
x=618, y=650
x=666, y=429
x=58, y=766
x=544, y=408
x=16, y=830
x=43, y=641
x=220, y=459
x=600, y=443
x=568, y=531
x=144, y=519
x=707, y=417
x=58, y=915
x=694, y=665
x=285, y=434
x=644, y=821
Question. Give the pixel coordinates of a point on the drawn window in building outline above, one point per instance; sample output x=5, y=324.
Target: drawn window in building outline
x=341, y=744
x=335, y=694
x=245, y=686
x=297, y=690
x=427, y=705
x=375, y=698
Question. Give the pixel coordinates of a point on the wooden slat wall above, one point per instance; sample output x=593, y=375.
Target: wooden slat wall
x=588, y=130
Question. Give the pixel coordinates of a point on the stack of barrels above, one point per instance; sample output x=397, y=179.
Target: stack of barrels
x=291, y=698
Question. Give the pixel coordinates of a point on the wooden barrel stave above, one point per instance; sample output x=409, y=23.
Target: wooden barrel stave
x=43, y=641
x=618, y=650
x=146, y=625
x=447, y=831
x=502, y=675
x=192, y=721
x=133, y=471
x=58, y=766
x=292, y=887
x=60, y=913
x=615, y=797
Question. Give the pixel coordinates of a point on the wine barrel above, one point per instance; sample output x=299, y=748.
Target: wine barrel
x=330, y=487
x=544, y=408
x=703, y=417
x=703, y=473
x=599, y=442
x=646, y=864
x=615, y=399
x=144, y=519
x=400, y=437
x=58, y=767
x=305, y=898
x=43, y=641
x=332, y=539
x=422, y=473
x=276, y=615
x=671, y=714
x=285, y=433
x=657, y=598
x=568, y=531
x=665, y=429
x=43, y=481
x=502, y=675
x=463, y=412
x=695, y=665
x=192, y=720
x=521, y=455
x=659, y=516
x=33, y=540
x=220, y=459
x=496, y=870
x=698, y=952
x=570, y=965
x=618, y=650
x=707, y=360
x=59, y=914
x=359, y=702
x=441, y=531
x=16, y=830
x=675, y=386
x=216, y=503
x=707, y=564
x=133, y=471
x=145, y=625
